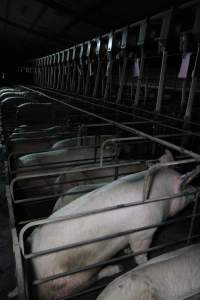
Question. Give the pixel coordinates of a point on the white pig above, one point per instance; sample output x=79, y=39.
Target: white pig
x=41, y=163
x=84, y=140
x=166, y=182
x=77, y=190
x=171, y=276
x=39, y=160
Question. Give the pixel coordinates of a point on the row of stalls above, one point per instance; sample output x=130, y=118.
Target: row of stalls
x=125, y=103
x=147, y=63
x=73, y=150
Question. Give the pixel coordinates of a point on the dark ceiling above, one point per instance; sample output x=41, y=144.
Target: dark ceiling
x=33, y=28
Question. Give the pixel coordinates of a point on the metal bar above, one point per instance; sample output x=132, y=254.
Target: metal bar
x=125, y=257
x=68, y=163
x=97, y=211
x=128, y=129
x=97, y=78
x=193, y=86
x=122, y=79
x=139, y=117
x=140, y=110
x=99, y=239
x=161, y=81
x=57, y=173
x=139, y=81
x=183, y=94
x=193, y=218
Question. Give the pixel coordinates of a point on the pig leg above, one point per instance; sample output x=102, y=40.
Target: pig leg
x=13, y=293
x=140, y=245
x=109, y=271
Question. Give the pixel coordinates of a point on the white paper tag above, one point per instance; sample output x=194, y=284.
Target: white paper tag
x=136, y=68
x=184, y=65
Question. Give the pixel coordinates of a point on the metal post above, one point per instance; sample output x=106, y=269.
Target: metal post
x=161, y=81
x=108, y=87
x=193, y=86
x=62, y=70
x=58, y=84
x=183, y=96
x=74, y=67
x=122, y=79
x=97, y=78
x=139, y=81
x=98, y=72
x=68, y=71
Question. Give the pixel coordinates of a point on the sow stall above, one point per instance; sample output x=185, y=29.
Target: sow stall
x=149, y=65
x=131, y=93
x=146, y=141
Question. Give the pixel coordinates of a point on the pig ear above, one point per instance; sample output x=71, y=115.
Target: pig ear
x=166, y=157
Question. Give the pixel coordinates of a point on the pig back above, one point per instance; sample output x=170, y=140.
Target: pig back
x=170, y=276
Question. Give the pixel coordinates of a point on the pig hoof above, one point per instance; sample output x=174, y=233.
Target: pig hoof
x=110, y=271
x=128, y=251
x=13, y=293
x=141, y=259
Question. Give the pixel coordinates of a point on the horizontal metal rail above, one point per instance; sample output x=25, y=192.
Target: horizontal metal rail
x=128, y=129
x=72, y=171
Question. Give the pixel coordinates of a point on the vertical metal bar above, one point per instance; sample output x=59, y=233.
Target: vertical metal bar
x=72, y=85
x=193, y=86
x=183, y=94
x=68, y=67
x=122, y=79
x=161, y=81
x=87, y=81
x=97, y=78
x=48, y=71
x=55, y=68
x=139, y=81
x=108, y=87
x=51, y=73
x=45, y=71
x=59, y=75
x=86, y=84
x=146, y=90
x=80, y=76
x=194, y=212
x=79, y=67
x=62, y=80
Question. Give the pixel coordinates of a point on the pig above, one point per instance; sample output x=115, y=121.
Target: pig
x=84, y=140
x=30, y=131
x=37, y=162
x=80, y=189
x=88, y=180
x=66, y=143
x=26, y=141
x=3, y=91
x=40, y=159
x=99, y=175
x=11, y=94
x=166, y=182
x=170, y=276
